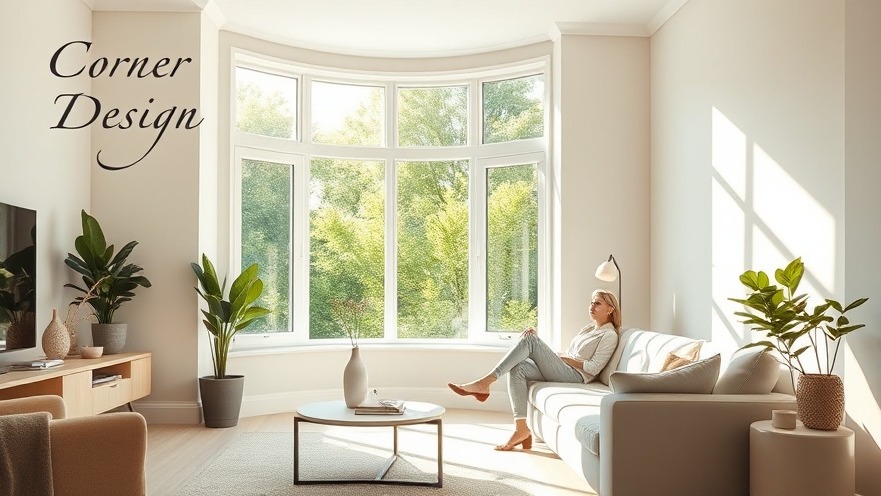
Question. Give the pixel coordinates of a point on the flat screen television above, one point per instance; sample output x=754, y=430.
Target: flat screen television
x=18, y=277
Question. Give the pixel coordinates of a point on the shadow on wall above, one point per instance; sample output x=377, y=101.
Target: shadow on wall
x=762, y=217
x=863, y=409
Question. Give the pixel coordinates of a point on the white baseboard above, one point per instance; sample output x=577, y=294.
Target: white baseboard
x=180, y=412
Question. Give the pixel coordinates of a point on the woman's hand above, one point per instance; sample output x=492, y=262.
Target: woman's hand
x=527, y=331
x=572, y=362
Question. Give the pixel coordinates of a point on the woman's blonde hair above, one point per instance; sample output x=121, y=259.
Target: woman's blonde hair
x=611, y=300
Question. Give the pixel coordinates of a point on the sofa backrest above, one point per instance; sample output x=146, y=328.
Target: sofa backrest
x=641, y=351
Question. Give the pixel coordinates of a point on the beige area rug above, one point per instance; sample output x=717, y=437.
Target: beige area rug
x=261, y=464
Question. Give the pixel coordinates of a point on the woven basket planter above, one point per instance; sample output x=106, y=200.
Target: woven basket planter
x=820, y=401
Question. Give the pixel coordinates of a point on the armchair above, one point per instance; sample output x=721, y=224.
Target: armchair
x=99, y=454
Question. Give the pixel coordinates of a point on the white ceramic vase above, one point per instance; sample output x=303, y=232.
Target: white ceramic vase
x=355, y=380
x=56, y=339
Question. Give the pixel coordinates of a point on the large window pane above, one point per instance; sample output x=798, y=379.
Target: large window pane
x=513, y=109
x=347, y=114
x=266, y=238
x=512, y=248
x=266, y=104
x=433, y=249
x=433, y=116
x=347, y=243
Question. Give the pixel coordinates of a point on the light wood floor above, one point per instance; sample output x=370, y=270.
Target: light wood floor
x=177, y=453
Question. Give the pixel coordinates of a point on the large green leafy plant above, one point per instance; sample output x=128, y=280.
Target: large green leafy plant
x=225, y=317
x=116, y=279
x=790, y=328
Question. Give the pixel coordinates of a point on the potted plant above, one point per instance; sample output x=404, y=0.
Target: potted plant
x=118, y=280
x=349, y=315
x=226, y=315
x=795, y=333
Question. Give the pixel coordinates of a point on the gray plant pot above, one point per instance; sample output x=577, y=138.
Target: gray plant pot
x=221, y=399
x=110, y=336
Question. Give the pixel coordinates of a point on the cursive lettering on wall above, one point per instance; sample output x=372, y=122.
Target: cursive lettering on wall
x=145, y=117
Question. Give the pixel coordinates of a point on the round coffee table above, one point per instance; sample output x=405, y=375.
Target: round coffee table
x=338, y=414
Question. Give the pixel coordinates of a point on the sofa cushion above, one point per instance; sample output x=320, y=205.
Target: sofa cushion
x=575, y=407
x=641, y=351
x=698, y=378
x=751, y=372
x=587, y=432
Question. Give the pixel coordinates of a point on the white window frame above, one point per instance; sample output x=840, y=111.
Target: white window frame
x=482, y=157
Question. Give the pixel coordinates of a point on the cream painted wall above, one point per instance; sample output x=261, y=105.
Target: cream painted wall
x=754, y=102
x=42, y=168
x=156, y=201
x=601, y=187
x=747, y=157
x=862, y=369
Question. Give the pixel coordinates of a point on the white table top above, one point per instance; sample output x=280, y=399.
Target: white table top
x=765, y=426
x=337, y=413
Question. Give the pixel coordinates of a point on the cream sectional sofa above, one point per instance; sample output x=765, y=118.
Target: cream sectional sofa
x=648, y=443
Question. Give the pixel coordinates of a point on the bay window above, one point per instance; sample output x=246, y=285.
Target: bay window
x=419, y=195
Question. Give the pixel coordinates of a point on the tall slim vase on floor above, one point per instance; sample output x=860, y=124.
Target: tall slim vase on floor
x=355, y=380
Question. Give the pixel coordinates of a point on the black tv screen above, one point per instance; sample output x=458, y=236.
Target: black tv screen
x=18, y=277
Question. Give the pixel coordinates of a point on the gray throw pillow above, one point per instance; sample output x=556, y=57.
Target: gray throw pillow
x=751, y=372
x=698, y=378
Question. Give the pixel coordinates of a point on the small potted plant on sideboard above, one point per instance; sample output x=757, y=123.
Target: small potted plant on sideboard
x=117, y=280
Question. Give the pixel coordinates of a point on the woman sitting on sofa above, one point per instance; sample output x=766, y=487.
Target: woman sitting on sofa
x=532, y=360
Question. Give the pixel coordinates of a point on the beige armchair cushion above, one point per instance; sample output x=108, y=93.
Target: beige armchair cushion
x=94, y=455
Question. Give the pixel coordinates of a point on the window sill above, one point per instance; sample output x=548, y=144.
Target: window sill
x=247, y=351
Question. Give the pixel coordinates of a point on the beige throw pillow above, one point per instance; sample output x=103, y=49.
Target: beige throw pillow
x=683, y=356
x=697, y=378
x=752, y=372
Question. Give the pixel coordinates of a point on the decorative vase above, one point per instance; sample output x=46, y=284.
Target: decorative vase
x=110, y=336
x=56, y=339
x=820, y=401
x=355, y=380
x=221, y=399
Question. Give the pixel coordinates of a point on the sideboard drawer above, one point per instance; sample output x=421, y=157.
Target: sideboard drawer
x=111, y=395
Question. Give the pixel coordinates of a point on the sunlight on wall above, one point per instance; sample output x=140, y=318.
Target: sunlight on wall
x=795, y=223
x=729, y=148
x=862, y=407
x=762, y=218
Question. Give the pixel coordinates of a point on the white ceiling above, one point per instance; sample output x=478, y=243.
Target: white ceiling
x=416, y=28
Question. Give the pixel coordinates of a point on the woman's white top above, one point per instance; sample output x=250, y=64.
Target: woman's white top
x=595, y=347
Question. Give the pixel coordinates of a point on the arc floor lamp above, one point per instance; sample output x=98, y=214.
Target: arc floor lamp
x=608, y=271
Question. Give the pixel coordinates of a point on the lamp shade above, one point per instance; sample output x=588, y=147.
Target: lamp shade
x=607, y=272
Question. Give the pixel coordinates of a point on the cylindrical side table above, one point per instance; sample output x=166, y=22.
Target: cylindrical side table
x=802, y=461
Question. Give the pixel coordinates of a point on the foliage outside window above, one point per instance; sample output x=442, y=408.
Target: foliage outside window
x=400, y=223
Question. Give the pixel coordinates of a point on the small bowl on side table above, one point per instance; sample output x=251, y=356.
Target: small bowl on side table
x=91, y=351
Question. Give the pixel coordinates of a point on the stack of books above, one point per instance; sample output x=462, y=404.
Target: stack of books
x=101, y=378
x=381, y=407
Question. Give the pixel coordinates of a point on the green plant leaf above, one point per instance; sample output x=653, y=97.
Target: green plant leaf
x=855, y=304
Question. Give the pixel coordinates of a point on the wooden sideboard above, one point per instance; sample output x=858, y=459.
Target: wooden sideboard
x=73, y=382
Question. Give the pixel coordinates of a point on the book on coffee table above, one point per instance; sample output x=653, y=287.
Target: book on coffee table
x=380, y=407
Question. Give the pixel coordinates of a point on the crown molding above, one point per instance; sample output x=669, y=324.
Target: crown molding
x=596, y=29
x=664, y=15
